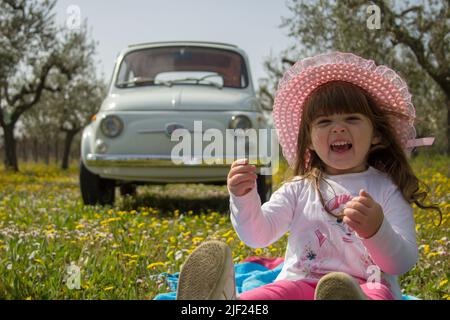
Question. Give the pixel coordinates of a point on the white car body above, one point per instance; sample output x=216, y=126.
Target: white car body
x=142, y=150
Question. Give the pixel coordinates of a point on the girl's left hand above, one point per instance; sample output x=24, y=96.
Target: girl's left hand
x=363, y=215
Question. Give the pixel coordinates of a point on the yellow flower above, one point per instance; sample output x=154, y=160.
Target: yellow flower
x=197, y=240
x=108, y=288
x=154, y=265
x=258, y=251
x=432, y=254
x=443, y=283
x=131, y=262
x=227, y=234
x=110, y=220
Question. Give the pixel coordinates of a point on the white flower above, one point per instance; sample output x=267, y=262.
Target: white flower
x=178, y=255
x=31, y=256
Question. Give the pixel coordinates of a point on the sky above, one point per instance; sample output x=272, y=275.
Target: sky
x=253, y=25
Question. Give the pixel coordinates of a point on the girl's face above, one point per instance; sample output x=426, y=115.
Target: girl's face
x=342, y=141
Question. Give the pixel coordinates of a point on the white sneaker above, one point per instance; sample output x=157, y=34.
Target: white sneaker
x=208, y=274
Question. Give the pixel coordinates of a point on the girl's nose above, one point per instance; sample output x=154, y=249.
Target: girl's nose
x=339, y=128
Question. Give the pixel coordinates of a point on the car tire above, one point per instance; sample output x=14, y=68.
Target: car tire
x=264, y=187
x=94, y=189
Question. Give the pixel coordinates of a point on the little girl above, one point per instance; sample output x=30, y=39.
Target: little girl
x=346, y=127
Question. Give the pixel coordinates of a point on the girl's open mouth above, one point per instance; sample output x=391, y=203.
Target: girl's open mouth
x=341, y=147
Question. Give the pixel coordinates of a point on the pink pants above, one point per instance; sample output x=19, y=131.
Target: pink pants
x=303, y=290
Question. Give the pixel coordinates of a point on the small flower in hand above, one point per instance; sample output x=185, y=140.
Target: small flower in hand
x=364, y=215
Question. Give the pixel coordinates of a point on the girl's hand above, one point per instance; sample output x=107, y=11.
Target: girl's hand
x=363, y=215
x=241, y=178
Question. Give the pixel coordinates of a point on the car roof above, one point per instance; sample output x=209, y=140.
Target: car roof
x=218, y=45
x=170, y=43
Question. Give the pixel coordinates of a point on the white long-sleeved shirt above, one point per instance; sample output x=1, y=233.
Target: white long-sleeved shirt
x=318, y=243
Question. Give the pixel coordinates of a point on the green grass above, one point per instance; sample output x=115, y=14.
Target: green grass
x=44, y=228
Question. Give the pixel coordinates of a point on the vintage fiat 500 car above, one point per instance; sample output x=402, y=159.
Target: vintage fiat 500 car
x=157, y=88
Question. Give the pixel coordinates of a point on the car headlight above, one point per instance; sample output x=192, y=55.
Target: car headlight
x=240, y=122
x=111, y=126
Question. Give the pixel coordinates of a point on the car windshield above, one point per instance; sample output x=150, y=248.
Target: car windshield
x=170, y=66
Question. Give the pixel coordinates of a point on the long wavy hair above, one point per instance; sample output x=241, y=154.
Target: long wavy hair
x=339, y=97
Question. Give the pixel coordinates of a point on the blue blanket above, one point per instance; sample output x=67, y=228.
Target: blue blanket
x=249, y=275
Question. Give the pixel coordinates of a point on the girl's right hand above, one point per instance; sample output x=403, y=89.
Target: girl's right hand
x=241, y=178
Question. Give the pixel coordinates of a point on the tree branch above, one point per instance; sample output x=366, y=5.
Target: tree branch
x=288, y=61
x=402, y=36
x=264, y=92
x=36, y=89
x=16, y=6
x=405, y=12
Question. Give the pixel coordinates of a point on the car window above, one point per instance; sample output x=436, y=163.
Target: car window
x=183, y=65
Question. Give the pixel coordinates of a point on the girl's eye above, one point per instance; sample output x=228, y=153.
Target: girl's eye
x=323, y=121
x=352, y=118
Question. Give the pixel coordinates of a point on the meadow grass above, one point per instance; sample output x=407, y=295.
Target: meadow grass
x=121, y=251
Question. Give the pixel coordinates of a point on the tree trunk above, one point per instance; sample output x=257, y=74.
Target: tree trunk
x=10, y=148
x=24, y=145
x=447, y=101
x=69, y=135
x=447, y=107
x=35, y=150
x=56, y=149
x=47, y=152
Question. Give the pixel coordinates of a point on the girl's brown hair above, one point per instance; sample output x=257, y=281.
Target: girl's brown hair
x=339, y=97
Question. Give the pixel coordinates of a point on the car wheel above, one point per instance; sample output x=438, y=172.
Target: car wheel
x=94, y=189
x=264, y=187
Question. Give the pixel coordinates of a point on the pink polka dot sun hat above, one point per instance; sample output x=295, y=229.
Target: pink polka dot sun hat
x=380, y=82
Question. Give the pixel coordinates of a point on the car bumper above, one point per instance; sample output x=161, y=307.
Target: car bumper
x=156, y=168
x=140, y=160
